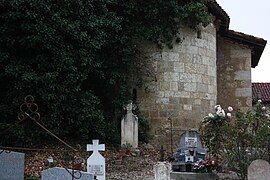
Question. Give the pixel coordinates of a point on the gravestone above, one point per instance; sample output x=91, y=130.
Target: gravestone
x=162, y=169
x=259, y=169
x=96, y=162
x=58, y=173
x=11, y=165
x=190, y=150
x=129, y=127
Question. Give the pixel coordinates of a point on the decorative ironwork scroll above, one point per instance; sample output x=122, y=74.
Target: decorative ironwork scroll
x=29, y=109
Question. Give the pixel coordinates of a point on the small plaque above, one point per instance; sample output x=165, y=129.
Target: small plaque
x=189, y=159
x=96, y=169
x=191, y=142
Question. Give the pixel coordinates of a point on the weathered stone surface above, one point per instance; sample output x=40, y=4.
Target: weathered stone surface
x=162, y=171
x=187, y=107
x=11, y=165
x=129, y=127
x=259, y=169
x=240, y=52
x=243, y=75
x=187, y=75
x=58, y=173
x=243, y=92
x=233, y=75
x=170, y=56
x=179, y=67
x=171, y=76
x=192, y=176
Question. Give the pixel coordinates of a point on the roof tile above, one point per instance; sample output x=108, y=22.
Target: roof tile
x=261, y=90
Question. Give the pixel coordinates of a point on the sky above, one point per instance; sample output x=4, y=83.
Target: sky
x=252, y=17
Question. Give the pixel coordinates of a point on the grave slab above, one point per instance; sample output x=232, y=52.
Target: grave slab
x=11, y=165
x=58, y=173
x=192, y=176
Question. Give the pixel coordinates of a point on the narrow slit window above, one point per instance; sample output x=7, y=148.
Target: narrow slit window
x=134, y=95
x=199, y=34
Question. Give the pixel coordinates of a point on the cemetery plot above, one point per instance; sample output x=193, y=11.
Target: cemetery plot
x=189, y=152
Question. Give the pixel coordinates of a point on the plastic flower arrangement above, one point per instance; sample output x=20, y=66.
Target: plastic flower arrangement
x=204, y=166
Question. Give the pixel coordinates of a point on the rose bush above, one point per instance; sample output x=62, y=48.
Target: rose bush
x=237, y=138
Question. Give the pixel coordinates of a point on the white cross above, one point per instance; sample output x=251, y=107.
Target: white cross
x=96, y=162
x=95, y=147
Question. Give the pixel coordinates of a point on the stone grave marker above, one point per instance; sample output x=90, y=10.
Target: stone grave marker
x=129, y=127
x=259, y=169
x=190, y=150
x=162, y=169
x=11, y=165
x=96, y=162
x=58, y=173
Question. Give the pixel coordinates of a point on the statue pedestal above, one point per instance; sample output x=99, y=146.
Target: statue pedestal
x=192, y=176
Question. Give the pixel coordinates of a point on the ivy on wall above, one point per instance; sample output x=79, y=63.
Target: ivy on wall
x=75, y=57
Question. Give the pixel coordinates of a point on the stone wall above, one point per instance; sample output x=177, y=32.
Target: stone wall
x=234, y=75
x=184, y=87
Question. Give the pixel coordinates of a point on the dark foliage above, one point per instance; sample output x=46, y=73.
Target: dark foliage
x=75, y=58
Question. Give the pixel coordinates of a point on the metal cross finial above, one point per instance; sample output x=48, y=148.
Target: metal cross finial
x=162, y=153
x=29, y=109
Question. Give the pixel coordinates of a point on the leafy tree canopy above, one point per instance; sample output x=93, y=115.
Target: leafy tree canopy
x=74, y=57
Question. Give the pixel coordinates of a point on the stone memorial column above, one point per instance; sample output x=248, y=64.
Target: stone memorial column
x=129, y=127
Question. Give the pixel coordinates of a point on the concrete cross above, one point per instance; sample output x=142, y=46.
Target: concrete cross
x=96, y=162
x=95, y=147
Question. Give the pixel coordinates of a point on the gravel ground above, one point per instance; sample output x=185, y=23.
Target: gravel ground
x=133, y=166
x=118, y=167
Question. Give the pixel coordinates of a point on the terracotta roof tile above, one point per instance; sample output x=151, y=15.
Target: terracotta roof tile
x=262, y=90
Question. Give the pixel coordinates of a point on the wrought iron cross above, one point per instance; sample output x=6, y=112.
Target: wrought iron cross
x=162, y=153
